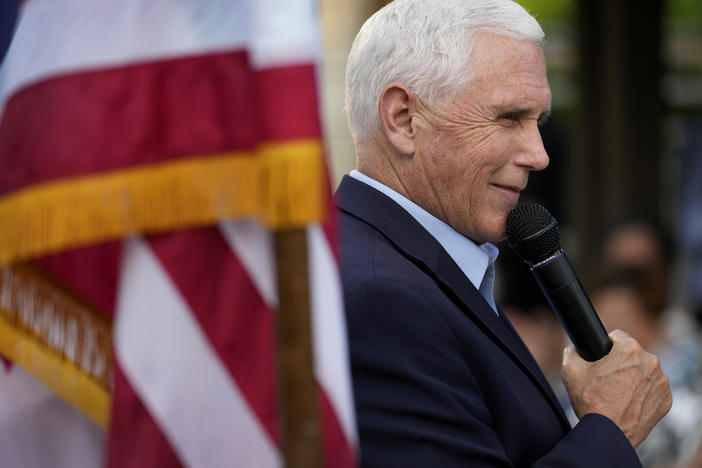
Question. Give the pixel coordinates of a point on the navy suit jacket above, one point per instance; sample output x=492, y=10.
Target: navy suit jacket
x=440, y=379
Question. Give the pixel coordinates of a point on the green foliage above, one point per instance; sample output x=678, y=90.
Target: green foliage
x=551, y=11
x=685, y=10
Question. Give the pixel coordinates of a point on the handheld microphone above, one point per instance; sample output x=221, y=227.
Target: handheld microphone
x=534, y=235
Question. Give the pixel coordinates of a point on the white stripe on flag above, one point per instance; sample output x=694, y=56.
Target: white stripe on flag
x=329, y=331
x=178, y=376
x=283, y=32
x=39, y=429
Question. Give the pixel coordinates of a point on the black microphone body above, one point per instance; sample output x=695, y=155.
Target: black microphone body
x=533, y=233
x=568, y=299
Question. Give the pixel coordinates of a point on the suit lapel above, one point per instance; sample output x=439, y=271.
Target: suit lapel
x=401, y=229
x=536, y=372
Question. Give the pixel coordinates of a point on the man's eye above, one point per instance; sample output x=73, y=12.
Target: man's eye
x=509, y=118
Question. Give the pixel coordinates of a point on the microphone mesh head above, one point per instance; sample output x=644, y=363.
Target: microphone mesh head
x=533, y=233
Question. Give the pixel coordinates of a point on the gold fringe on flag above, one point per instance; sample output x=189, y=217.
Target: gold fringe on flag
x=279, y=183
x=54, y=336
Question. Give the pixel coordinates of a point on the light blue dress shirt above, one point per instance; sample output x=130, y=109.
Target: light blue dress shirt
x=477, y=262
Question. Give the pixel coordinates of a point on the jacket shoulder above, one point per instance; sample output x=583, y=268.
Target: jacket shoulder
x=368, y=256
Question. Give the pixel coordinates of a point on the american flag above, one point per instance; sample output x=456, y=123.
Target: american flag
x=147, y=150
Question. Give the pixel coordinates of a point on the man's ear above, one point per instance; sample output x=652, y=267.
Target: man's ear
x=396, y=109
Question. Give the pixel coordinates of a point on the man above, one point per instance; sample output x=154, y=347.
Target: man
x=444, y=100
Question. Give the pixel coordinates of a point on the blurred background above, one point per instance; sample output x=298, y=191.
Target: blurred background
x=624, y=182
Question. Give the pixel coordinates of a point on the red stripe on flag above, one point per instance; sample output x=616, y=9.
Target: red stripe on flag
x=232, y=314
x=288, y=103
x=91, y=272
x=100, y=120
x=134, y=437
x=146, y=113
x=337, y=452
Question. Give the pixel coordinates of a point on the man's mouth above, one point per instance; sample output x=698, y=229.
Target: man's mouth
x=511, y=192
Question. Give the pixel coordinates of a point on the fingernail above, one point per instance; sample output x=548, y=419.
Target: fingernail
x=566, y=353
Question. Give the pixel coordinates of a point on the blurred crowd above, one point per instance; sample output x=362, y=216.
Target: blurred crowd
x=632, y=290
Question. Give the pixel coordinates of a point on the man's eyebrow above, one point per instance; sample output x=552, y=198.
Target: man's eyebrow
x=519, y=113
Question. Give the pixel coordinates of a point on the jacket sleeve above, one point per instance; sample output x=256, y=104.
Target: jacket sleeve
x=597, y=441
x=419, y=405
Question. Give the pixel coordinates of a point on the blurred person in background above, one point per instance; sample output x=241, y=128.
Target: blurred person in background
x=641, y=244
x=627, y=297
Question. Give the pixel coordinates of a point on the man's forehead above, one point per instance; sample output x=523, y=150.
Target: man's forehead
x=523, y=94
x=493, y=54
x=502, y=79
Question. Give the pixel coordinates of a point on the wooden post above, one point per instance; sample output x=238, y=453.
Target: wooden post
x=618, y=157
x=298, y=396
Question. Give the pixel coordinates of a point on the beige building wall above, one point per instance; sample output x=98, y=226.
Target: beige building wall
x=341, y=20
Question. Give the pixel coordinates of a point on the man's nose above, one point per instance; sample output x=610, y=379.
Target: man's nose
x=532, y=153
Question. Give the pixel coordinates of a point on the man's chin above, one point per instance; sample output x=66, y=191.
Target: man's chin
x=493, y=236
x=497, y=231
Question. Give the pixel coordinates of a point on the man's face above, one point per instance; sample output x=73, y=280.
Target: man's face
x=476, y=150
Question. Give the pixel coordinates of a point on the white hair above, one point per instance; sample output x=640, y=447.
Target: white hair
x=425, y=44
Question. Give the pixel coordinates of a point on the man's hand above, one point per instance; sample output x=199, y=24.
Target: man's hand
x=627, y=386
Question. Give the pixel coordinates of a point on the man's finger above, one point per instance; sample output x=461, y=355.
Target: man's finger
x=566, y=352
x=618, y=335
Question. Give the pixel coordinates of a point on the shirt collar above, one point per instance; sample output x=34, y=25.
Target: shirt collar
x=473, y=260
